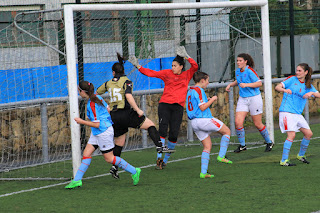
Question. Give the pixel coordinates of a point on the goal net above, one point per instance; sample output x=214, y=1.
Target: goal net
x=34, y=114
x=46, y=53
x=212, y=32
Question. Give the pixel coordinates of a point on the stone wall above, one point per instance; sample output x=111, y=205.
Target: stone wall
x=21, y=128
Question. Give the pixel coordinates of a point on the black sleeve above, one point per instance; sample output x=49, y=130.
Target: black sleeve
x=127, y=87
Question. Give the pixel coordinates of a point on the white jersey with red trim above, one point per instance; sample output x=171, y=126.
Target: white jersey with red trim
x=248, y=75
x=195, y=98
x=99, y=113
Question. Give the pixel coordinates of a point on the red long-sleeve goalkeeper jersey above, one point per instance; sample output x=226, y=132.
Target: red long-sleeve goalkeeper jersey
x=175, y=86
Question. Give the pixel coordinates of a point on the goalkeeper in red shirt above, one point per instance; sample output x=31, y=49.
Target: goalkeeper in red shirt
x=171, y=104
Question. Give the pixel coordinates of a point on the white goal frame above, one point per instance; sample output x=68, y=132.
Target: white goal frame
x=71, y=55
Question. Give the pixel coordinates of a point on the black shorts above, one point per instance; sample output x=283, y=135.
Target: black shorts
x=125, y=118
x=170, y=115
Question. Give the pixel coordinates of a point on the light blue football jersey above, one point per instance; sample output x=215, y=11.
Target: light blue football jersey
x=195, y=97
x=294, y=103
x=247, y=76
x=96, y=112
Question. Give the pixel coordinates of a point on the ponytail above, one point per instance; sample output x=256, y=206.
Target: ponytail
x=88, y=88
x=118, y=67
x=306, y=67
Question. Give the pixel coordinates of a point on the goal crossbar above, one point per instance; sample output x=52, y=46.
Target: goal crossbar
x=167, y=6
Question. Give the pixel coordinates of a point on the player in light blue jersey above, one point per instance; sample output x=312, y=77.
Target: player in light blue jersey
x=101, y=136
x=297, y=89
x=203, y=123
x=249, y=101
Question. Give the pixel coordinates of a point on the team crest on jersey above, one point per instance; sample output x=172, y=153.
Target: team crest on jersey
x=295, y=84
x=300, y=90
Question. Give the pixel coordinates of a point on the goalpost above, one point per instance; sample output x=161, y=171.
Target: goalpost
x=151, y=49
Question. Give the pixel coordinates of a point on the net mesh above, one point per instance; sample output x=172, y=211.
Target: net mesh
x=33, y=99
x=34, y=114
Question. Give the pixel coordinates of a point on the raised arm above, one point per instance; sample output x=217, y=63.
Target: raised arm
x=181, y=51
x=152, y=73
x=194, y=66
x=148, y=72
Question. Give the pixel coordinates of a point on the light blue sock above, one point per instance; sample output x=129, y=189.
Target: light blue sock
x=265, y=134
x=120, y=162
x=224, y=143
x=205, y=157
x=83, y=168
x=171, y=145
x=241, y=136
x=304, y=146
x=163, y=141
x=286, y=150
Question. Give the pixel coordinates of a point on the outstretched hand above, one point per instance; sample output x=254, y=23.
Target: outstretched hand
x=134, y=61
x=181, y=51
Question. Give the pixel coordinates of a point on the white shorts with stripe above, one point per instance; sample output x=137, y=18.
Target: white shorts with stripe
x=103, y=140
x=203, y=127
x=251, y=104
x=290, y=122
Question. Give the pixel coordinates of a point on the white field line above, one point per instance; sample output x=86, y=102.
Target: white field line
x=102, y=175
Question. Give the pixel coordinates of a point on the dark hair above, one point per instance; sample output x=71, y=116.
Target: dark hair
x=197, y=76
x=247, y=58
x=118, y=67
x=88, y=88
x=180, y=60
x=306, y=67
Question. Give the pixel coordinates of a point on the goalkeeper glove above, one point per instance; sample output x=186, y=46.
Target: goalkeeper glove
x=181, y=51
x=134, y=61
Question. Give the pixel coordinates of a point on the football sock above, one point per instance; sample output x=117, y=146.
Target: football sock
x=304, y=146
x=83, y=168
x=205, y=157
x=224, y=143
x=154, y=135
x=120, y=162
x=171, y=145
x=265, y=134
x=286, y=150
x=163, y=141
x=241, y=136
x=117, y=151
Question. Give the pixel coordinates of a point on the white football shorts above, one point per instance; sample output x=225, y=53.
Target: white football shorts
x=251, y=104
x=103, y=140
x=203, y=127
x=292, y=122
